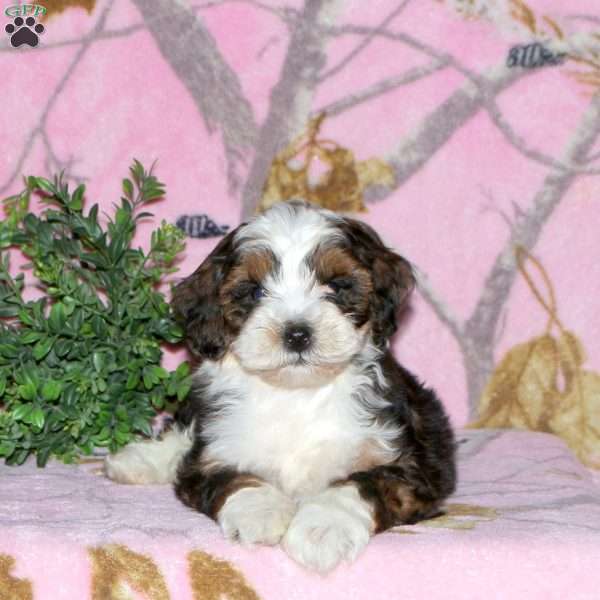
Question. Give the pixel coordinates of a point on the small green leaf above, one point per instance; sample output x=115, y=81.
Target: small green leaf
x=92, y=216
x=128, y=189
x=7, y=448
x=160, y=373
x=132, y=380
x=31, y=336
x=95, y=259
x=173, y=334
x=6, y=237
x=37, y=417
x=172, y=387
x=98, y=359
x=123, y=219
x=25, y=317
x=103, y=435
x=19, y=457
x=42, y=456
x=44, y=185
x=143, y=215
x=38, y=308
x=70, y=395
x=137, y=171
x=76, y=203
x=62, y=347
x=51, y=390
x=121, y=414
x=8, y=351
x=183, y=370
x=57, y=318
x=157, y=400
x=69, y=304
x=21, y=412
x=122, y=438
x=148, y=378
x=27, y=391
x=183, y=390
x=42, y=348
x=142, y=424
x=30, y=373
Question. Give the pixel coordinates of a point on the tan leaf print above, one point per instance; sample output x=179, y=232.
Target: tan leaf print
x=463, y=516
x=215, y=579
x=456, y=516
x=578, y=421
x=554, y=27
x=117, y=570
x=541, y=384
x=522, y=389
x=340, y=187
x=56, y=7
x=522, y=13
x=12, y=588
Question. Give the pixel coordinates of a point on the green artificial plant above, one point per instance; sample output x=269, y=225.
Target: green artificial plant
x=80, y=365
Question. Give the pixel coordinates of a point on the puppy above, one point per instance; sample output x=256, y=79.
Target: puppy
x=301, y=427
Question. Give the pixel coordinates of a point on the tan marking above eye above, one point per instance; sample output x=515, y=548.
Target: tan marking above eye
x=333, y=262
x=254, y=266
x=259, y=264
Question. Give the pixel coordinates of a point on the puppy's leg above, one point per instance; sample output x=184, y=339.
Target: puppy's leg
x=152, y=461
x=248, y=509
x=336, y=524
x=332, y=526
x=398, y=495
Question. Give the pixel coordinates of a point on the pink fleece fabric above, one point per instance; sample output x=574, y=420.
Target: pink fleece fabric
x=524, y=523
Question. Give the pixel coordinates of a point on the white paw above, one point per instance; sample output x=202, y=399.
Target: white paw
x=256, y=515
x=153, y=461
x=333, y=526
x=130, y=466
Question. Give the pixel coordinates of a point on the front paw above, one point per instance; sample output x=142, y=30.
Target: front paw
x=333, y=526
x=256, y=515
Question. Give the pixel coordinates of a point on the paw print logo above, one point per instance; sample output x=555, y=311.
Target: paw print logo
x=24, y=32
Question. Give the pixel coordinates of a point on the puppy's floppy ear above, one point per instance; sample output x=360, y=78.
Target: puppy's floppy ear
x=197, y=305
x=392, y=276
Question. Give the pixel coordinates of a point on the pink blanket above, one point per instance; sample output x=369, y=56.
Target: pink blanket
x=524, y=523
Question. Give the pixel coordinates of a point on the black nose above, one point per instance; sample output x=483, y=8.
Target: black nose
x=297, y=337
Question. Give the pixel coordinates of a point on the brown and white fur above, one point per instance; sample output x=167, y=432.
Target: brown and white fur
x=301, y=428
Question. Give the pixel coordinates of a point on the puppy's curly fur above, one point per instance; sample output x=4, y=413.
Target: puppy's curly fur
x=301, y=427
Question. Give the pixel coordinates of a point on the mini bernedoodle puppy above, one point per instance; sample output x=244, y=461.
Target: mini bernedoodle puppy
x=301, y=427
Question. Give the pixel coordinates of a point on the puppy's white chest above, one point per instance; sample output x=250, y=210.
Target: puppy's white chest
x=300, y=440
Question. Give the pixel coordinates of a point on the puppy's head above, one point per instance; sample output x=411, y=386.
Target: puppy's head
x=294, y=295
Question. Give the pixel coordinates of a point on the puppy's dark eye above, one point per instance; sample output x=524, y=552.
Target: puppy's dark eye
x=258, y=292
x=337, y=284
x=248, y=289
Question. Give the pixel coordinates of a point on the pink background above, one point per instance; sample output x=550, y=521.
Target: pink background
x=123, y=99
